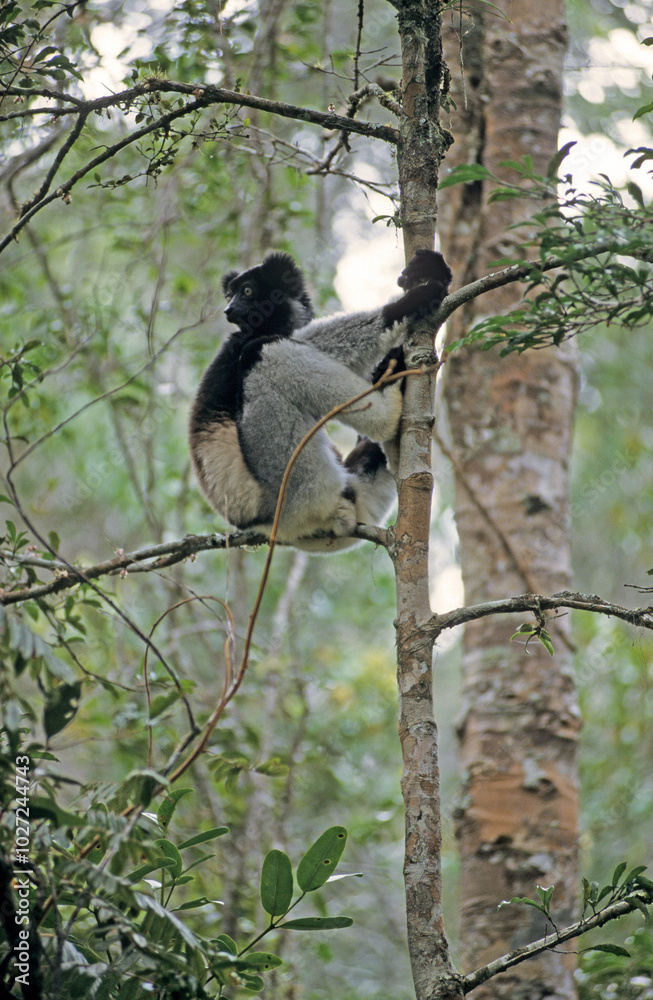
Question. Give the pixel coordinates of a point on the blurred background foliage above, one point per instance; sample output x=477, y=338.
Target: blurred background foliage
x=121, y=290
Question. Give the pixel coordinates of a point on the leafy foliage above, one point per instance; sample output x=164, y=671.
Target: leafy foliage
x=115, y=899
x=601, y=970
x=580, y=239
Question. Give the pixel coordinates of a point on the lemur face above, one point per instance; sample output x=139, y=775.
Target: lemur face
x=260, y=299
x=245, y=297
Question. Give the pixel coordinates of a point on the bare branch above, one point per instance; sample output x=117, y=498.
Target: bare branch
x=208, y=95
x=150, y=559
x=611, y=912
x=204, y=96
x=107, y=154
x=71, y=139
x=640, y=617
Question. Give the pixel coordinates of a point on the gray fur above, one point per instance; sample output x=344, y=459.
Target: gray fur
x=269, y=385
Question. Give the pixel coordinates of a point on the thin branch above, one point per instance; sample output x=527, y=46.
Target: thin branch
x=209, y=95
x=535, y=603
x=58, y=160
x=108, y=153
x=611, y=912
x=151, y=559
x=204, y=96
x=359, y=36
x=328, y=120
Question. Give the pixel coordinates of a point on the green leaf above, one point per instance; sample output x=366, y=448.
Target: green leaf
x=635, y=192
x=316, y=923
x=169, y=804
x=545, y=639
x=555, y=161
x=274, y=767
x=618, y=872
x=168, y=848
x=634, y=873
x=252, y=983
x=262, y=960
x=192, y=904
x=645, y=109
x=320, y=860
x=140, y=785
x=152, y=866
x=152, y=905
x=162, y=702
x=276, y=883
x=545, y=895
x=61, y=706
x=611, y=949
x=526, y=901
x=202, y=838
x=226, y=943
x=465, y=173
x=183, y=880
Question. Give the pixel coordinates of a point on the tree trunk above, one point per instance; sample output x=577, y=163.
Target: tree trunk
x=420, y=152
x=511, y=422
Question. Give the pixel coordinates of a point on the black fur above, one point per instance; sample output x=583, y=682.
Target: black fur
x=426, y=278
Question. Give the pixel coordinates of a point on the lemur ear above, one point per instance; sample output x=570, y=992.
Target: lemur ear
x=282, y=272
x=226, y=282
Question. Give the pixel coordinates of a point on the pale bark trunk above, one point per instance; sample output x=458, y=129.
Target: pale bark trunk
x=511, y=421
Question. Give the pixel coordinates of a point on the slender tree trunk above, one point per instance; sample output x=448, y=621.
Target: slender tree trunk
x=420, y=151
x=511, y=421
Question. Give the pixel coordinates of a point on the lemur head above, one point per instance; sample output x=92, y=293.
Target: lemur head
x=269, y=299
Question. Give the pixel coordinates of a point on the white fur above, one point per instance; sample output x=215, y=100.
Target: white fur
x=223, y=475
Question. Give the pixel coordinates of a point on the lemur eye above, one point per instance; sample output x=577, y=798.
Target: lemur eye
x=248, y=291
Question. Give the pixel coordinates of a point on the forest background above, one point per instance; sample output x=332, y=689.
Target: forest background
x=122, y=286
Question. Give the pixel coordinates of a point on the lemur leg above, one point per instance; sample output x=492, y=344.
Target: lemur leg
x=371, y=481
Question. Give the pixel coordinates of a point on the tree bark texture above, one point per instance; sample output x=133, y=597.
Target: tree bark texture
x=511, y=422
x=420, y=151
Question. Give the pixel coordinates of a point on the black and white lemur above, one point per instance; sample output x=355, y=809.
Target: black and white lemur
x=275, y=376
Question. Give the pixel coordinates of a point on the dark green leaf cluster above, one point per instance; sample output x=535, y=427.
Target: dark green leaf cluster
x=115, y=907
x=583, y=241
x=25, y=61
x=633, y=887
x=601, y=971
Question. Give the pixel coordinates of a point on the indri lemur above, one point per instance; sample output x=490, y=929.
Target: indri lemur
x=275, y=376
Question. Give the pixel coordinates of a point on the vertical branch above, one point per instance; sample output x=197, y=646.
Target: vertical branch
x=359, y=36
x=421, y=149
